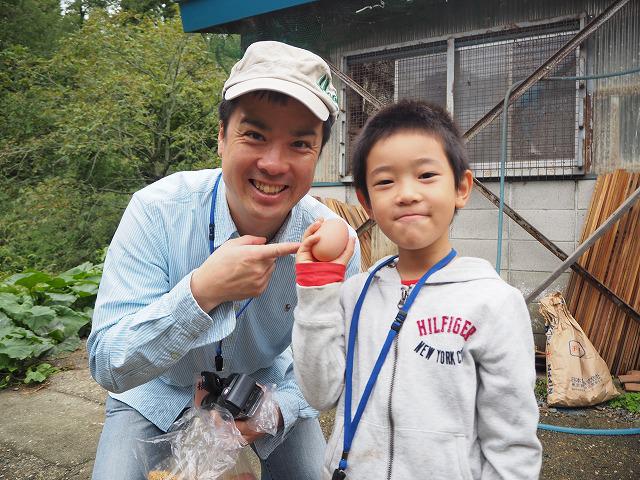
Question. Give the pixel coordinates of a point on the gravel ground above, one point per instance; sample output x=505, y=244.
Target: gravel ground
x=572, y=457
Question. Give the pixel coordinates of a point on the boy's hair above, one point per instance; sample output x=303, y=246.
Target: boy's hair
x=409, y=115
x=227, y=107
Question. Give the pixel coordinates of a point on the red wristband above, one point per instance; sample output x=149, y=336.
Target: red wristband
x=315, y=274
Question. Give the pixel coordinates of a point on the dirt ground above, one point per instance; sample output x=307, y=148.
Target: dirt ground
x=580, y=457
x=565, y=456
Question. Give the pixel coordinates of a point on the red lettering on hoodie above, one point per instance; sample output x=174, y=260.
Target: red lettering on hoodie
x=445, y=324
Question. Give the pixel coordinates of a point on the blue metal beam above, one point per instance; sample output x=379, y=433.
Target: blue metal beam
x=201, y=14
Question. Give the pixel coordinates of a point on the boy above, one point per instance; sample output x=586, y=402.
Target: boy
x=443, y=388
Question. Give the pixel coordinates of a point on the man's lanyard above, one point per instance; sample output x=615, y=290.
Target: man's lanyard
x=350, y=425
x=212, y=235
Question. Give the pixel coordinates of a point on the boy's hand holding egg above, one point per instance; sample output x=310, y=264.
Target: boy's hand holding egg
x=326, y=241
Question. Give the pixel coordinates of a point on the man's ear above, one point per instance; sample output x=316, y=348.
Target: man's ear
x=463, y=192
x=365, y=204
x=220, y=139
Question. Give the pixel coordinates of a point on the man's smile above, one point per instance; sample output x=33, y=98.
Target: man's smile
x=268, y=188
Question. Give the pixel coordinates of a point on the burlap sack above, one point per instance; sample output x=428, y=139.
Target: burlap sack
x=576, y=374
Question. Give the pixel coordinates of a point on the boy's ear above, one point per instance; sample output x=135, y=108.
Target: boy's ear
x=364, y=203
x=220, y=139
x=464, y=189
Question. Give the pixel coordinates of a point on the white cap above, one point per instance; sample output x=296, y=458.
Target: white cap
x=290, y=70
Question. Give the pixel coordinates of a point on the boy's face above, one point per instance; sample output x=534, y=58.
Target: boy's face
x=412, y=192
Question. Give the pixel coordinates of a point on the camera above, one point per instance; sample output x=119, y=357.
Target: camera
x=239, y=393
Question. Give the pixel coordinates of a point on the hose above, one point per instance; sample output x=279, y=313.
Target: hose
x=590, y=431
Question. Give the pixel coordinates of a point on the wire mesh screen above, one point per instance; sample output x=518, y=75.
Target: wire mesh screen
x=543, y=123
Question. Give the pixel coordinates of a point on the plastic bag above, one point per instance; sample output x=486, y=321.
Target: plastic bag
x=576, y=374
x=205, y=443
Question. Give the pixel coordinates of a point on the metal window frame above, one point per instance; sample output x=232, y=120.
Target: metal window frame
x=451, y=40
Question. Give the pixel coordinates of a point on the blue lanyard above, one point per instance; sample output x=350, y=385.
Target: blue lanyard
x=350, y=425
x=212, y=235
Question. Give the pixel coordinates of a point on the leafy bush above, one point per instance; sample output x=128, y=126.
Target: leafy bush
x=54, y=224
x=43, y=315
x=629, y=401
x=541, y=389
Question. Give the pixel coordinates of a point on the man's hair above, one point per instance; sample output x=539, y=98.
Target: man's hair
x=227, y=107
x=409, y=116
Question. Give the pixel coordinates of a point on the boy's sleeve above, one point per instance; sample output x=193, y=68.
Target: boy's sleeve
x=506, y=405
x=318, y=344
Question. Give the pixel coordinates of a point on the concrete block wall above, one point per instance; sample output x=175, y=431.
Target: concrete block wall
x=557, y=208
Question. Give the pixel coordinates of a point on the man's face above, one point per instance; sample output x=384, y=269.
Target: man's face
x=269, y=153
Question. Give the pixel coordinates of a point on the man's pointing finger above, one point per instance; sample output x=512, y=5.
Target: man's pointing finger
x=274, y=250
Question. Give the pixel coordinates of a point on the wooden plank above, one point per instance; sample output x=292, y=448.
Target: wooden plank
x=632, y=387
x=632, y=378
x=615, y=261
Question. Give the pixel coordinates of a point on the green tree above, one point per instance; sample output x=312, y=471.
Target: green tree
x=158, y=8
x=35, y=24
x=120, y=104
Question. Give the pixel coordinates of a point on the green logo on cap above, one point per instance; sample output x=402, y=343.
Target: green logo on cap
x=324, y=82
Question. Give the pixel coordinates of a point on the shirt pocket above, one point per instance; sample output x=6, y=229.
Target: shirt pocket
x=437, y=454
x=415, y=454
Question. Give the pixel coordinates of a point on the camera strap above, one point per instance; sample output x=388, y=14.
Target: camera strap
x=219, y=360
x=351, y=425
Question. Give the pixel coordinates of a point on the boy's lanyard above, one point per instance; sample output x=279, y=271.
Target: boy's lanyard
x=350, y=425
x=212, y=235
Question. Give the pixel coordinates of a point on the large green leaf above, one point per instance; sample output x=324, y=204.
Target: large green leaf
x=58, y=282
x=14, y=278
x=72, y=320
x=40, y=373
x=54, y=298
x=70, y=344
x=40, y=320
x=5, y=321
x=19, y=343
x=31, y=279
x=78, y=272
x=15, y=306
x=85, y=289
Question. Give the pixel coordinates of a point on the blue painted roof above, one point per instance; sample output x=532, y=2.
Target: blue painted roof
x=201, y=14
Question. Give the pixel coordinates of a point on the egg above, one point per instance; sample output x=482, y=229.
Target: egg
x=334, y=236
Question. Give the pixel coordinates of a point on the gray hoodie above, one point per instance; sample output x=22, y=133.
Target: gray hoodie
x=454, y=398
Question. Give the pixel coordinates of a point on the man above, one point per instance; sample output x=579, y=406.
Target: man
x=200, y=273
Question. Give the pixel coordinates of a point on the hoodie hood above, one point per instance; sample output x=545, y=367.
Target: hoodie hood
x=460, y=269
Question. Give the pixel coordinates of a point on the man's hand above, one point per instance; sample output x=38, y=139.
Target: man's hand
x=241, y=268
x=251, y=435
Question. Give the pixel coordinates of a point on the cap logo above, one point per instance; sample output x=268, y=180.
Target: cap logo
x=324, y=82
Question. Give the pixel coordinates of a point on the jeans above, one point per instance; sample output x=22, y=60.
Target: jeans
x=299, y=457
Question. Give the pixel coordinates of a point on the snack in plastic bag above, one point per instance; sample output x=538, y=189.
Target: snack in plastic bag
x=205, y=443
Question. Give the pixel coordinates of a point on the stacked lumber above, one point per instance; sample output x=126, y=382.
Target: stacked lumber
x=355, y=216
x=614, y=260
x=631, y=381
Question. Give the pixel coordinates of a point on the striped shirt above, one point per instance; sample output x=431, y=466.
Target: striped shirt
x=150, y=338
